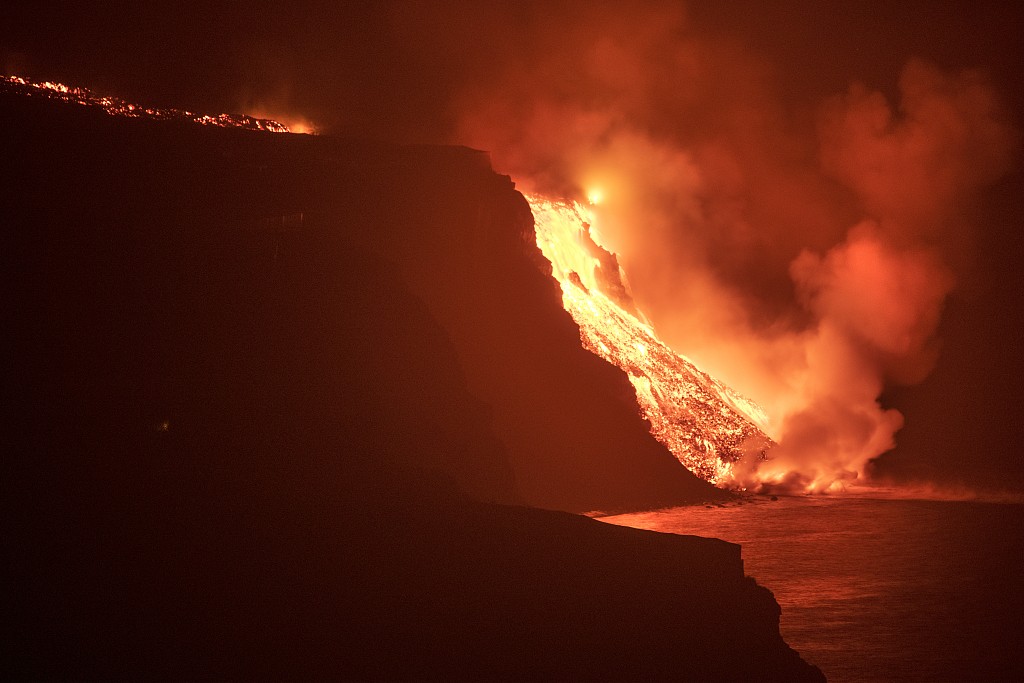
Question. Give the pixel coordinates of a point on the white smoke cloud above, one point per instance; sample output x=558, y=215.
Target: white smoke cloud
x=801, y=252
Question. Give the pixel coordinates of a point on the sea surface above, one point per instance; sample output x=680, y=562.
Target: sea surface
x=881, y=589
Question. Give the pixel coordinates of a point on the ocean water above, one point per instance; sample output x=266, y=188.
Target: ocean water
x=881, y=589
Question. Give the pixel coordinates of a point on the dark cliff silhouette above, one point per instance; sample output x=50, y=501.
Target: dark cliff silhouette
x=264, y=397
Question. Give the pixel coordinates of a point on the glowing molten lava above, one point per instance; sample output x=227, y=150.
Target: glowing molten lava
x=709, y=427
x=118, y=107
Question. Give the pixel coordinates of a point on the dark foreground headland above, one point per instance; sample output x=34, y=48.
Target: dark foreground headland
x=277, y=407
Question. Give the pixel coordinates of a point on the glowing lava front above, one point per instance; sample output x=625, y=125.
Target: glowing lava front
x=710, y=428
x=118, y=107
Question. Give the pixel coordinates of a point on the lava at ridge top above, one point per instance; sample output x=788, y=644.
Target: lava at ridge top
x=118, y=107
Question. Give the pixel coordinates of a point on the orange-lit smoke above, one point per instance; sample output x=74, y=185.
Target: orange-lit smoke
x=801, y=252
x=275, y=102
x=296, y=123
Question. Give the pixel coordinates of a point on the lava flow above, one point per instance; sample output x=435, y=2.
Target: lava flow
x=710, y=428
x=118, y=107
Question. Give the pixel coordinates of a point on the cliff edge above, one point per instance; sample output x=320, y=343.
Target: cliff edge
x=266, y=395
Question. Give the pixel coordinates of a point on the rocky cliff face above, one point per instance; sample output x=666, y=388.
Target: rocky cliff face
x=258, y=391
x=462, y=240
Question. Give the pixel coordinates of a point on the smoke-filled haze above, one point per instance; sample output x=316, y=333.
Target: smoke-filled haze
x=797, y=252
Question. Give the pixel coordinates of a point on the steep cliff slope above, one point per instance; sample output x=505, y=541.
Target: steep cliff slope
x=463, y=240
x=457, y=234
x=250, y=383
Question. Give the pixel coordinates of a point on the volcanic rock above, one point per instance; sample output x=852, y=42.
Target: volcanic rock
x=242, y=444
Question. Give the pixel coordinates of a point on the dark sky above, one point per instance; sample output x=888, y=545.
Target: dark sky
x=743, y=108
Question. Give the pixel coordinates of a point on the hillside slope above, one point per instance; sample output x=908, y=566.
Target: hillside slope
x=254, y=385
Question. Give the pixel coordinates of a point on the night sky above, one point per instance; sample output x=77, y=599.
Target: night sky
x=759, y=135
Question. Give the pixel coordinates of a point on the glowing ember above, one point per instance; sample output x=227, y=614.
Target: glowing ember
x=118, y=107
x=709, y=427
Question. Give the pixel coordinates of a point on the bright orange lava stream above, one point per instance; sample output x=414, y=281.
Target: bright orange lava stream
x=118, y=107
x=710, y=428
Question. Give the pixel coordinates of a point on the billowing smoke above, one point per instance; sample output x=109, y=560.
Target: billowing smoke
x=799, y=251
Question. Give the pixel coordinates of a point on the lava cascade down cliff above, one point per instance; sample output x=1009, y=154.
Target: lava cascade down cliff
x=705, y=424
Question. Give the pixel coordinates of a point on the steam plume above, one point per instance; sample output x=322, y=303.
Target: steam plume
x=799, y=251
